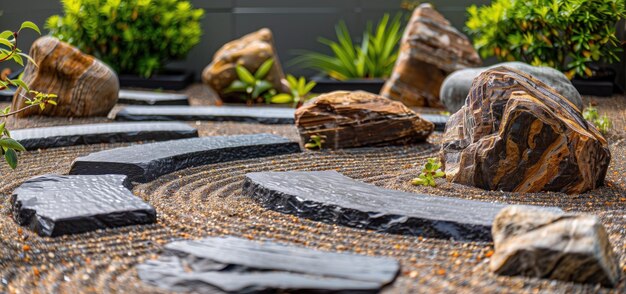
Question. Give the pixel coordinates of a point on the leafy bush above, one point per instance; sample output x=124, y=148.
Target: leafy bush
x=253, y=87
x=603, y=123
x=373, y=58
x=9, y=51
x=567, y=35
x=315, y=142
x=132, y=36
x=430, y=172
x=300, y=89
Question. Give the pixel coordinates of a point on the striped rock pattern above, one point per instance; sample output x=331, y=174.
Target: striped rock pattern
x=84, y=84
x=250, y=51
x=430, y=49
x=358, y=119
x=515, y=133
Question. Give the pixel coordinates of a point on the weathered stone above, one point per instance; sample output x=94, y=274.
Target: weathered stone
x=250, y=51
x=144, y=163
x=430, y=49
x=234, y=265
x=85, y=85
x=331, y=197
x=256, y=114
x=358, y=119
x=54, y=205
x=152, y=98
x=6, y=95
x=457, y=85
x=558, y=246
x=61, y=136
x=515, y=133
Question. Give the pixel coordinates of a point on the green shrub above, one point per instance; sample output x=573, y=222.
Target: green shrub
x=567, y=35
x=132, y=36
x=373, y=58
x=430, y=172
x=602, y=122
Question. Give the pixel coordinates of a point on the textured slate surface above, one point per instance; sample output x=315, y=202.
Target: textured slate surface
x=152, y=98
x=49, y=137
x=331, y=197
x=6, y=95
x=54, y=205
x=265, y=115
x=235, y=265
x=143, y=163
x=437, y=119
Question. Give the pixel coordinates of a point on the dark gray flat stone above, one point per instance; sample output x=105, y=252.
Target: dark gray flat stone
x=54, y=205
x=144, y=163
x=152, y=98
x=437, y=119
x=331, y=197
x=235, y=265
x=6, y=95
x=61, y=136
x=264, y=115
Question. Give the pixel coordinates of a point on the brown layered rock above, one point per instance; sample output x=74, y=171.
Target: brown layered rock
x=430, y=49
x=358, y=119
x=250, y=51
x=85, y=86
x=536, y=243
x=515, y=133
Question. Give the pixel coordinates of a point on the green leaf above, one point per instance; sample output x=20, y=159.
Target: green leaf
x=6, y=34
x=30, y=25
x=245, y=75
x=6, y=42
x=11, y=157
x=264, y=69
x=30, y=59
x=236, y=86
x=2, y=128
x=21, y=84
x=260, y=88
x=9, y=143
x=282, y=98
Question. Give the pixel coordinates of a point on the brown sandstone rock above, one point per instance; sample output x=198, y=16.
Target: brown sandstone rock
x=85, y=86
x=430, y=49
x=532, y=242
x=358, y=119
x=249, y=51
x=515, y=133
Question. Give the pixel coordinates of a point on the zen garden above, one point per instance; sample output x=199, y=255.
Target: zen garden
x=159, y=146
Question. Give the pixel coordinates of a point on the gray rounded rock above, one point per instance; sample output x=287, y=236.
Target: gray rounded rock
x=456, y=86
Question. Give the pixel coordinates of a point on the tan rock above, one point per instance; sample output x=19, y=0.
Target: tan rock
x=430, y=49
x=536, y=243
x=85, y=86
x=515, y=133
x=358, y=119
x=249, y=51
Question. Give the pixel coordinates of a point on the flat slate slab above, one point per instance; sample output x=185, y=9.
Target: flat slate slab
x=235, y=265
x=144, y=163
x=54, y=205
x=331, y=197
x=437, y=119
x=261, y=114
x=152, y=98
x=6, y=95
x=61, y=136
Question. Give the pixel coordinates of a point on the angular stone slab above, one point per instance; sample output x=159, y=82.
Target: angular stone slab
x=152, y=98
x=144, y=163
x=61, y=136
x=235, y=265
x=264, y=115
x=6, y=95
x=437, y=119
x=54, y=205
x=331, y=197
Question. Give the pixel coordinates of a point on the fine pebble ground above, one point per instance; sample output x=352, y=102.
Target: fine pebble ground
x=207, y=201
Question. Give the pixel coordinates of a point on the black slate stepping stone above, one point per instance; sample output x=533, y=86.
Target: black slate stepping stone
x=235, y=265
x=6, y=95
x=144, y=163
x=152, y=98
x=331, y=197
x=437, y=119
x=54, y=205
x=264, y=115
x=61, y=136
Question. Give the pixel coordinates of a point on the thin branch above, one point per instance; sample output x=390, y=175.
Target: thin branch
x=19, y=110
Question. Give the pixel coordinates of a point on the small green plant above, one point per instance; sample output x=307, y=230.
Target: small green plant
x=373, y=58
x=253, y=87
x=567, y=35
x=9, y=51
x=315, y=142
x=132, y=36
x=300, y=89
x=430, y=172
x=603, y=123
